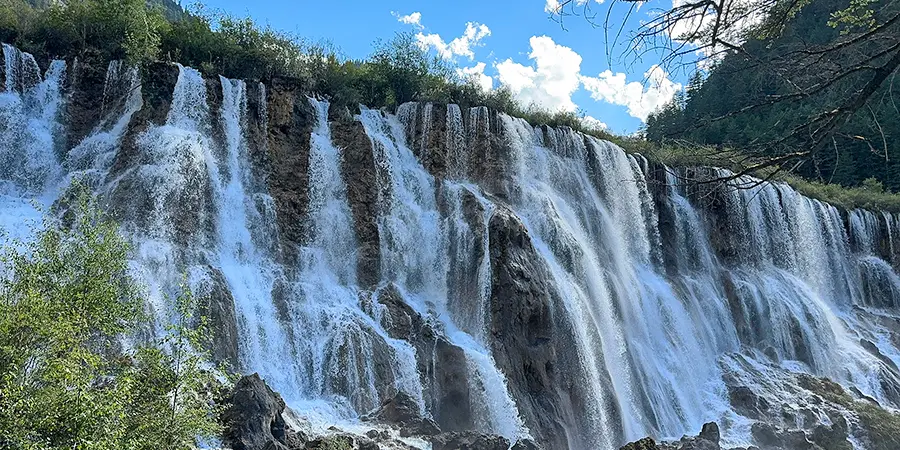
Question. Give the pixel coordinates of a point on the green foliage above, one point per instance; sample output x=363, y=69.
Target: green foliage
x=731, y=106
x=858, y=15
x=871, y=194
x=66, y=305
x=121, y=29
x=398, y=70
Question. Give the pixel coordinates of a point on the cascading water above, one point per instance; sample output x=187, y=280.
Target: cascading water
x=416, y=256
x=672, y=293
x=30, y=128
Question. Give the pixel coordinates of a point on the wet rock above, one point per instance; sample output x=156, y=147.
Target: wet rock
x=531, y=338
x=400, y=320
x=710, y=432
x=290, y=121
x=442, y=366
x=362, y=353
x=217, y=304
x=130, y=200
x=253, y=419
x=359, y=172
x=832, y=437
x=860, y=395
x=489, y=152
x=84, y=108
x=746, y=402
x=642, y=444
x=708, y=439
x=770, y=437
x=336, y=442
x=526, y=444
x=403, y=411
x=873, y=349
x=468, y=440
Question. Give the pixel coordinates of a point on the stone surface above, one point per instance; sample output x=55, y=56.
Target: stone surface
x=441, y=365
x=253, y=419
x=358, y=169
x=531, y=340
x=217, y=304
x=290, y=120
x=526, y=444
x=84, y=108
x=708, y=439
x=468, y=440
x=403, y=411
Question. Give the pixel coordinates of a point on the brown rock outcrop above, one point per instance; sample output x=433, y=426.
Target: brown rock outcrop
x=290, y=121
x=531, y=339
x=358, y=169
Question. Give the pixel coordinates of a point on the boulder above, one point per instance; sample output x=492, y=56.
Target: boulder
x=708, y=439
x=746, y=402
x=526, y=444
x=642, y=444
x=253, y=419
x=335, y=442
x=468, y=440
x=403, y=411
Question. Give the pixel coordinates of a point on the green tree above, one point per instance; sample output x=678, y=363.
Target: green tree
x=66, y=379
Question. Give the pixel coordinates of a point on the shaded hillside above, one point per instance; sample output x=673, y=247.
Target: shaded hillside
x=734, y=106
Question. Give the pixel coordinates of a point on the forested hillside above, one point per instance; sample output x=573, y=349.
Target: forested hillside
x=776, y=85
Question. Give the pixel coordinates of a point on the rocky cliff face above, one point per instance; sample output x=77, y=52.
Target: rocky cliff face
x=493, y=281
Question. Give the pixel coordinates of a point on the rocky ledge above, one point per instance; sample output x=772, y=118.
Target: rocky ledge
x=256, y=418
x=708, y=439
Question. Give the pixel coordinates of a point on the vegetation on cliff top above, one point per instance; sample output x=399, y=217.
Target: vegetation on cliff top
x=870, y=194
x=816, y=95
x=68, y=380
x=397, y=71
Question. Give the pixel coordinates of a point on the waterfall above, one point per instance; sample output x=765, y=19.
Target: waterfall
x=415, y=255
x=90, y=160
x=30, y=128
x=662, y=295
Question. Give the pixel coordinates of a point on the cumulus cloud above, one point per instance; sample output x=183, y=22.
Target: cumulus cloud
x=414, y=19
x=639, y=100
x=476, y=74
x=461, y=46
x=550, y=81
x=555, y=6
x=593, y=123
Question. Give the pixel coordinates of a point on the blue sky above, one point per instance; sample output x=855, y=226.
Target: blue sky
x=515, y=43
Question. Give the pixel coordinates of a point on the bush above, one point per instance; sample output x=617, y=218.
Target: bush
x=66, y=303
x=118, y=29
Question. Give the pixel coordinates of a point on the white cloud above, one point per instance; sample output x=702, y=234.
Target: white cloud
x=461, y=46
x=555, y=6
x=552, y=79
x=476, y=75
x=613, y=88
x=593, y=123
x=414, y=19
